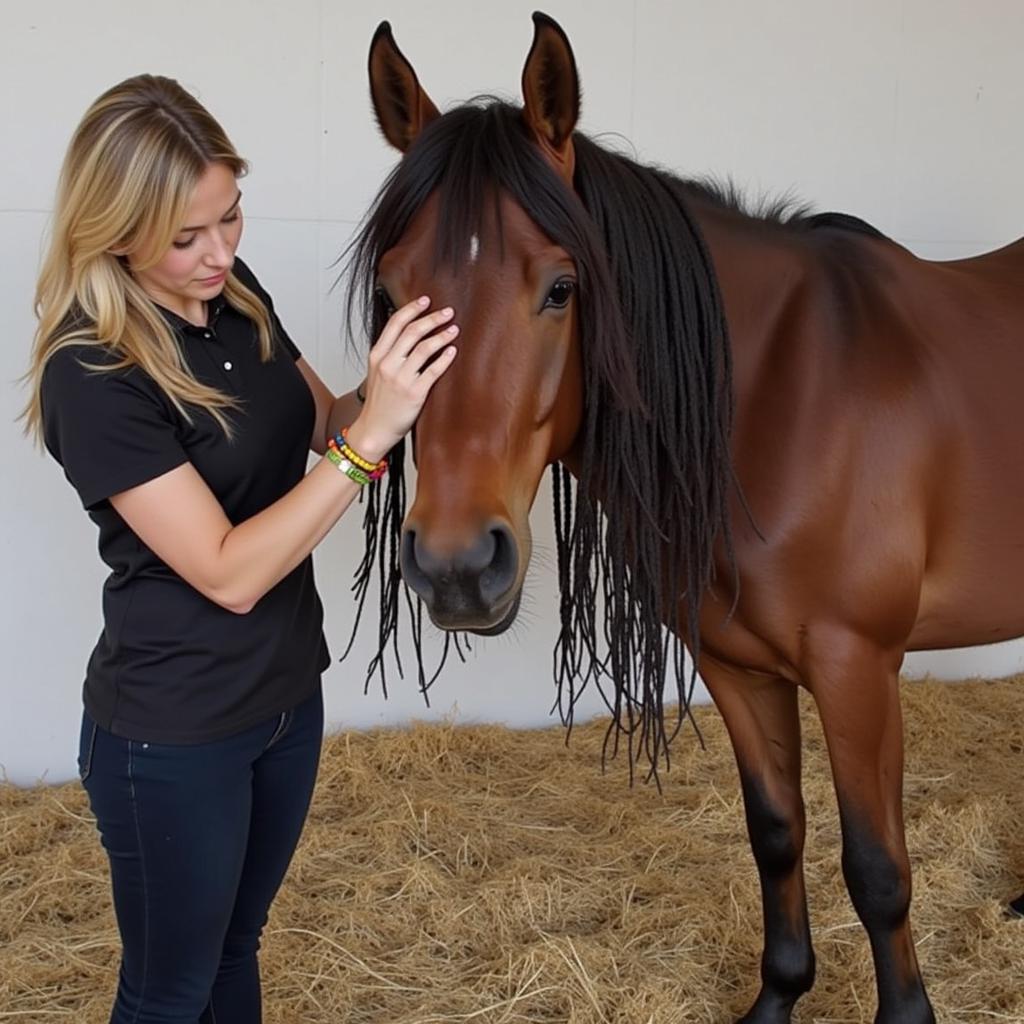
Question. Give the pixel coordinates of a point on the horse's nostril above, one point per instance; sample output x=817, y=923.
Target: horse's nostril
x=477, y=558
x=412, y=573
x=500, y=574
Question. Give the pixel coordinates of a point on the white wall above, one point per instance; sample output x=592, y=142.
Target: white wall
x=906, y=112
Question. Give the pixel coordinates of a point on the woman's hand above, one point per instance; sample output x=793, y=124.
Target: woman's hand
x=399, y=378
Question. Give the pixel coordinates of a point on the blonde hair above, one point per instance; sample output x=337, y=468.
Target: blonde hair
x=125, y=187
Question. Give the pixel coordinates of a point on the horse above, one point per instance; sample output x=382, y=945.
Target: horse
x=779, y=440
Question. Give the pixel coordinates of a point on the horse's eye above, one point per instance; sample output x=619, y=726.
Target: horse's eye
x=380, y=293
x=561, y=292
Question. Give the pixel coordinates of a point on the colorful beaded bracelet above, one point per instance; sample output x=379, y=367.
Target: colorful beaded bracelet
x=350, y=453
x=375, y=470
x=341, y=440
x=352, y=471
x=372, y=472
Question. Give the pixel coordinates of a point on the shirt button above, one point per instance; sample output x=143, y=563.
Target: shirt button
x=207, y=334
x=227, y=365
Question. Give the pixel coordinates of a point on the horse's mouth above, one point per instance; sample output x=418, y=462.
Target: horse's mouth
x=503, y=623
x=458, y=624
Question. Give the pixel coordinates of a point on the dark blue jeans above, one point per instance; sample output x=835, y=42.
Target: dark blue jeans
x=199, y=839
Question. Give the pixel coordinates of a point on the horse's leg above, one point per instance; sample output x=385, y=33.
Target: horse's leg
x=761, y=716
x=856, y=687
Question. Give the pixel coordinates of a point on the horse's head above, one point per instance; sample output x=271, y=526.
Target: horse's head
x=592, y=333
x=480, y=215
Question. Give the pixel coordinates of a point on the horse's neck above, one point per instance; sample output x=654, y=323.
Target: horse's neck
x=761, y=272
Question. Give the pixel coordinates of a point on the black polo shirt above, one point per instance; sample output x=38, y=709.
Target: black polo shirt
x=171, y=666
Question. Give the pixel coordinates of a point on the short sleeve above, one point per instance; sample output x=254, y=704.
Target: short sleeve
x=248, y=278
x=281, y=333
x=108, y=429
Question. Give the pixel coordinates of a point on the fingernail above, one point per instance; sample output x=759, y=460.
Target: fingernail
x=454, y=329
x=423, y=300
x=447, y=311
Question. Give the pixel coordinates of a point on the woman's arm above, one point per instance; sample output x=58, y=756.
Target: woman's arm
x=178, y=517
x=331, y=413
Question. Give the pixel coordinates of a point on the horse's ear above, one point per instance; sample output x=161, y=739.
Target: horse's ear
x=551, y=92
x=403, y=109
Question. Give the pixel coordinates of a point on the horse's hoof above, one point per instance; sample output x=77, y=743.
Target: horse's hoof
x=1016, y=908
x=769, y=1009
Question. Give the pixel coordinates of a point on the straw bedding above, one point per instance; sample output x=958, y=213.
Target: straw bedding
x=476, y=874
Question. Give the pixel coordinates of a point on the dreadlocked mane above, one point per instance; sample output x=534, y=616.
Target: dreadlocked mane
x=637, y=533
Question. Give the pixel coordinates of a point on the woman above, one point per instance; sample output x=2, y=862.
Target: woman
x=164, y=384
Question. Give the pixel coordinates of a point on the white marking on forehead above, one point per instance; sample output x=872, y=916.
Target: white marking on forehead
x=474, y=249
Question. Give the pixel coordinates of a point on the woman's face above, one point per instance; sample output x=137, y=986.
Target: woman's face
x=195, y=267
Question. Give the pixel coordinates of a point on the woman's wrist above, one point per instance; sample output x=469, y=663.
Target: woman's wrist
x=362, y=441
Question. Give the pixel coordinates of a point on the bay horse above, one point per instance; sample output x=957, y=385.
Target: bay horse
x=779, y=434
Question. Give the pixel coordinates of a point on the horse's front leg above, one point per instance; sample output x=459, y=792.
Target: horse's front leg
x=763, y=722
x=856, y=688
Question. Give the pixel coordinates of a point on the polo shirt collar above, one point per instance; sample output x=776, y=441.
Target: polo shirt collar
x=214, y=308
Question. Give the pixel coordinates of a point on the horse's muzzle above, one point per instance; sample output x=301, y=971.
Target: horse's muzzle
x=472, y=588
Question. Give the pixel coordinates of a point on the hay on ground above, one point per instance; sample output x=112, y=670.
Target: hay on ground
x=486, y=876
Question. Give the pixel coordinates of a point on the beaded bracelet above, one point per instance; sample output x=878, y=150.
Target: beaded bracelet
x=350, y=470
x=371, y=471
x=341, y=440
x=374, y=470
